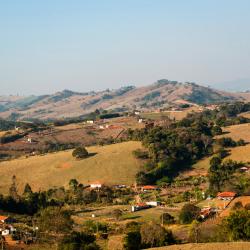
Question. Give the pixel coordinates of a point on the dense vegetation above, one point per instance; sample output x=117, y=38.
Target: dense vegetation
x=172, y=149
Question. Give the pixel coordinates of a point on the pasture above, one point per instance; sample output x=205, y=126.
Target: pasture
x=111, y=164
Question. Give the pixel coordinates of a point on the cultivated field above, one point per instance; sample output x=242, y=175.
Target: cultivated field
x=111, y=164
x=209, y=246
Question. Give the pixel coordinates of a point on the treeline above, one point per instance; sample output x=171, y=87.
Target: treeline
x=31, y=202
x=172, y=149
x=97, y=114
x=225, y=115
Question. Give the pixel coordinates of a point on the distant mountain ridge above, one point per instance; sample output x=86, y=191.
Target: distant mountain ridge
x=68, y=103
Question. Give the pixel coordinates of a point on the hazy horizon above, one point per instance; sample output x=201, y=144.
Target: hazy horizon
x=47, y=46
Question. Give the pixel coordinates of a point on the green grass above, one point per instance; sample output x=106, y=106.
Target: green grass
x=111, y=164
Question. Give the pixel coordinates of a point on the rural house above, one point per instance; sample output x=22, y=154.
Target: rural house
x=139, y=206
x=226, y=196
x=96, y=184
x=149, y=188
x=6, y=219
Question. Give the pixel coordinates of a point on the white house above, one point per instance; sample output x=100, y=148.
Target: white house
x=153, y=203
x=96, y=184
x=6, y=232
x=90, y=121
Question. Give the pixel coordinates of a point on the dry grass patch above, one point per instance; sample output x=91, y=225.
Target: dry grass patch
x=111, y=164
x=209, y=246
x=236, y=132
x=243, y=199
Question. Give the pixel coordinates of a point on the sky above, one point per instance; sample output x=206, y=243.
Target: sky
x=82, y=45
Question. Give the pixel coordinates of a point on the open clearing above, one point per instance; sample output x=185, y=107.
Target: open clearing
x=209, y=246
x=111, y=164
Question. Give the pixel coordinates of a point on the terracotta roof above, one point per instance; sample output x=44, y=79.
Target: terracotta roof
x=226, y=194
x=149, y=187
x=2, y=217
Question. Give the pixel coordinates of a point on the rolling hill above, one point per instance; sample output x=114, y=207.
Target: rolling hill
x=111, y=164
x=73, y=104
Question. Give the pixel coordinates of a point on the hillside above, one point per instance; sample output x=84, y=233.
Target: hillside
x=209, y=246
x=72, y=104
x=112, y=164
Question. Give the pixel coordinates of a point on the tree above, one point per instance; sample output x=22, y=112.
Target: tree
x=194, y=233
x=55, y=219
x=216, y=130
x=78, y=241
x=188, y=213
x=167, y=219
x=153, y=235
x=80, y=153
x=237, y=225
x=73, y=183
x=132, y=240
x=13, y=190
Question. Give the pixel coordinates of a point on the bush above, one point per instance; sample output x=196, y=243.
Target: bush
x=132, y=240
x=80, y=153
x=76, y=241
x=154, y=235
x=167, y=218
x=237, y=225
x=188, y=213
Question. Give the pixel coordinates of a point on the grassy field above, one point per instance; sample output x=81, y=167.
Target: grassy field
x=209, y=246
x=241, y=131
x=241, y=154
x=111, y=164
x=177, y=115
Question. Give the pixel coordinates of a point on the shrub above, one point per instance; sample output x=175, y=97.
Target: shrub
x=167, y=219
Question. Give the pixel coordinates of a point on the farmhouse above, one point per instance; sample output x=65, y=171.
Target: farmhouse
x=90, y=122
x=149, y=188
x=96, y=184
x=226, y=195
x=205, y=212
x=6, y=219
x=245, y=169
x=153, y=203
x=139, y=206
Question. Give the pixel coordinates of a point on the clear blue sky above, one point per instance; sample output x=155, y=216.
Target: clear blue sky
x=50, y=45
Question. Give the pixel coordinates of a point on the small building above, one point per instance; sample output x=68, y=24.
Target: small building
x=6, y=219
x=139, y=206
x=149, y=188
x=90, y=122
x=5, y=232
x=153, y=203
x=245, y=169
x=205, y=212
x=96, y=184
x=226, y=195
x=29, y=140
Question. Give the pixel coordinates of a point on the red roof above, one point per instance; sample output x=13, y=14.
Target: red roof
x=226, y=194
x=149, y=187
x=3, y=218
